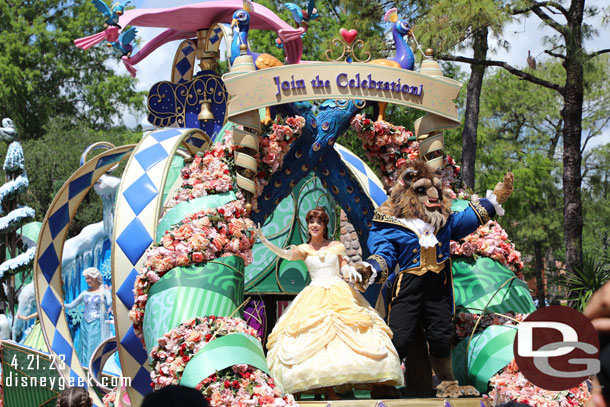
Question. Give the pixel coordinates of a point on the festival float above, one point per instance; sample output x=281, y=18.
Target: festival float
x=193, y=293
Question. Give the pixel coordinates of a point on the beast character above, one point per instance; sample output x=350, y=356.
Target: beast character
x=409, y=241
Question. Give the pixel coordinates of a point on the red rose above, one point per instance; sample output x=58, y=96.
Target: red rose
x=227, y=384
x=235, y=384
x=221, y=211
x=197, y=257
x=208, y=337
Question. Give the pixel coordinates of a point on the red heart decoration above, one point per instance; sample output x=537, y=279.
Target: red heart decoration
x=348, y=36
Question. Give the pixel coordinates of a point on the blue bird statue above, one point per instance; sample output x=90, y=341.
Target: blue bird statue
x=113, y=13
x=313, y=151
x=302, y=17
x=404, y=55
x=123, y=44
x=240, y=25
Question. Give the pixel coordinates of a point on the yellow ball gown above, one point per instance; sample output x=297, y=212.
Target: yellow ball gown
x=330, y=335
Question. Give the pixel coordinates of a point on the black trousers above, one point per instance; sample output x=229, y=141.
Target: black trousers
x=422, y=299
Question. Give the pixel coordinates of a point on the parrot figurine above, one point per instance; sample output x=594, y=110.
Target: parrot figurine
x=302, y=17
x=123, y=44
x=111, y=14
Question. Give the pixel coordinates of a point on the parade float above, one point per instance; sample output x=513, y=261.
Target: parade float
x=193, y=292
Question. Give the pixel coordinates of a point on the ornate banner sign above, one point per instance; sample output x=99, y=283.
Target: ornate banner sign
x=334, y=80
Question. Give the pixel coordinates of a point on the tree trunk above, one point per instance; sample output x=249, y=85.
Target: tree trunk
x=539, y=273
x=572, y=157
x=471, y=117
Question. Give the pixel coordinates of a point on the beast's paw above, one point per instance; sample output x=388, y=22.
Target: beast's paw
x=451, y=389
x=469, y=391
x=448, y=389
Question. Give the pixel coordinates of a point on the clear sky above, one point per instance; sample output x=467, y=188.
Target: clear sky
x=528, y=34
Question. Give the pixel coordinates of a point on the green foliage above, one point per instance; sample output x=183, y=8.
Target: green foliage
x=44, y=75
x=586, y=281
x=596, y=195
x=445, y=25
x=520, y=129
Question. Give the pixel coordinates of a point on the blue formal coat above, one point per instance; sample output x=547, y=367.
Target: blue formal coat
x=395, y=248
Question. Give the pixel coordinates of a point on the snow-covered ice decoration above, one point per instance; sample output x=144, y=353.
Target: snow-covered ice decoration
x=106, y=188
x=17, y=218
x=26, y=307
x=14, y=160
x=4, y=327
x=18, y=263
x=7, y=131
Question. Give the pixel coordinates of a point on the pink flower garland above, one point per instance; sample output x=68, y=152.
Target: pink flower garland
x=386, y=144
x=510, y=384
x=209, y=174
x=273, y=145
x=490, y=240
x=239, y=385
x=200, y=237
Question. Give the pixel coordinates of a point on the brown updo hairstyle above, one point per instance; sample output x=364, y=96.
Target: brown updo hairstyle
x=320, y=214
x=74, y=397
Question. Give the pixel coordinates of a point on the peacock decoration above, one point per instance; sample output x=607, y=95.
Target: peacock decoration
x=404, y=58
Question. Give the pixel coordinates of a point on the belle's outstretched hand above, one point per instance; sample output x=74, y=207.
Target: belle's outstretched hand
x=287, y=254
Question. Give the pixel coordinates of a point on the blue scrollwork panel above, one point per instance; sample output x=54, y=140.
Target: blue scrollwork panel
x=179, y=104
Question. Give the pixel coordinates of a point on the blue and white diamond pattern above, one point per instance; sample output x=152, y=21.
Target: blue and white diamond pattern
x=47, y=263
x=184, y=62
x=217, y=33
x=138, y=205
x=365, y=176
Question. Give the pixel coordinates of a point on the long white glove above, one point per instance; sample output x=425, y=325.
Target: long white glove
x=287, y=254
x=350, y=274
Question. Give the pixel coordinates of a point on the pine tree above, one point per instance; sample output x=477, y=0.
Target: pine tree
x=19, y=259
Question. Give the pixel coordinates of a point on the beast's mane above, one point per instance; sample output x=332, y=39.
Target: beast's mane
x=403, y=202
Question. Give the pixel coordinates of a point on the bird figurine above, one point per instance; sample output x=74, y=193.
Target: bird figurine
x=404, y=55
x=302, y=17
x=123, y=44
x=7, y=131
x=112, y=14
x=240, y=25
x=531, y=61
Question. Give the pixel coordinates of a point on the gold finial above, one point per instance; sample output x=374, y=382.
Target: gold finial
x=243, y=49
x=429, y=52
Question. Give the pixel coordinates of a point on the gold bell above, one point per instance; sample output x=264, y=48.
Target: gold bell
x=206, y=113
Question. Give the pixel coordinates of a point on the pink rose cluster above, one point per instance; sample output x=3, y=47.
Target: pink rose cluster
x=490, y=240
x=200, y=237
x=386, y=144
x=273, y=145
x=465, y=322
x=511, y=385
x=243, y=386
x=210, y=173
x=239, y=385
